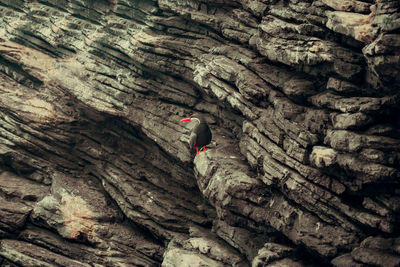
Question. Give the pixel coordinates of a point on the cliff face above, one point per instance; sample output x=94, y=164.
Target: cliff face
x=302, y=98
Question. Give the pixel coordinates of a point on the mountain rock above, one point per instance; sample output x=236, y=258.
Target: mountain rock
x=302, y=98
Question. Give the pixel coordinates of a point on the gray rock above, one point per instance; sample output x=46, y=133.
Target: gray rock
x=18, y=198
x=342, y=86
x=27, y=254
x=203, y=249
x=350, y=120
x=377, y=258
x=323, y=157
x=276, y=255
x=219, y=175
x=376, y=251
x=344, y=5
x=352, y=24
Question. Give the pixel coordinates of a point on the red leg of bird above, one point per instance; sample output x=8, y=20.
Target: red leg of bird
x=203, y=149
x=197, y=151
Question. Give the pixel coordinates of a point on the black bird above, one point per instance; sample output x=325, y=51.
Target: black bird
x=200, y=135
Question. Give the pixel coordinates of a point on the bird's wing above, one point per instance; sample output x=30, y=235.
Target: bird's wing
x=193, y=139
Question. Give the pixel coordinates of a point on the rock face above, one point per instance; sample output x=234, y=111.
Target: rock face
x=303, y=102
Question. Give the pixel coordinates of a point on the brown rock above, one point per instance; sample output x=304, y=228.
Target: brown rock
x=374, y=257
x=302, y=98
x=18, y=196
x=352, y=104
x=71, y=212
x=345, y=5
x=271, y=253
x=226, y=195
x=350, y=120
x=201, y=249
x=244, y=240
x=342, y=86
x=383, y=56
x=286, y=43
x=323, y=157
x=27, y=254
x=345, y=260
x=355, y=25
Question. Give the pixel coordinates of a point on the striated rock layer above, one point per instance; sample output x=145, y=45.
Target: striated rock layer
x=302, y=98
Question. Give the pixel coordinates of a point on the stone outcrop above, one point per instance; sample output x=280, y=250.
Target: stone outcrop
x=302, y=98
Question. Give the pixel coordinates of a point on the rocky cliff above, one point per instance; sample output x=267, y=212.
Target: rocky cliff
x=302, y=97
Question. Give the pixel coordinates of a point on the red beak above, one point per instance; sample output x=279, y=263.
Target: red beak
x=187, y=119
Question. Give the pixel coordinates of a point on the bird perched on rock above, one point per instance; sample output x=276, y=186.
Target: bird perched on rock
x=201, y=133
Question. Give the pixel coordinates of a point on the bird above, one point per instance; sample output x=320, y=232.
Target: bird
x=201, y=134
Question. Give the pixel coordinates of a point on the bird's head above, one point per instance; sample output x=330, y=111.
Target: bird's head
x=195, y=117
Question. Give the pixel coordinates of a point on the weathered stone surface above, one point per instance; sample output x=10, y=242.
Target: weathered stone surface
x=353, y=104
x=69, y=210
x=383, y=56
x=17, y=197
x=346, y=260
x=201, y=249
x=355, y=25
x=222, y=181
x=288, y=43
x=350, y=120
x=27, y=254
x=302, y=98
x=341, y=86
x=244, y=240
x=119, y=244
x=345, y=5
x=277, y=255
x=323, y=157
x=376, y=251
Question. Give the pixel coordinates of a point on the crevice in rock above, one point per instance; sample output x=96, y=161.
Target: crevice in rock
x=17, y=73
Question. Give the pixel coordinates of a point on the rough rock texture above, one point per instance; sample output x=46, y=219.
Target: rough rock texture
x=303, y=102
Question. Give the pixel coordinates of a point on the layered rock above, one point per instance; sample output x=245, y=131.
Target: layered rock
x=302, y=97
